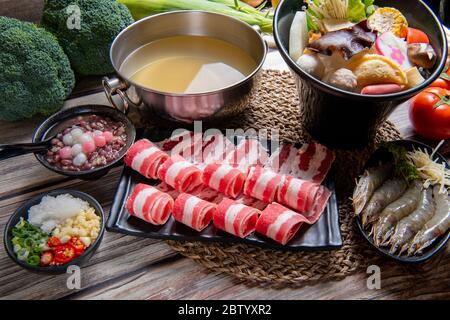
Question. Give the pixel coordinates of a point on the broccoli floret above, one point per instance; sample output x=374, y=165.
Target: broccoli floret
x=86, y=44
x=35, y=73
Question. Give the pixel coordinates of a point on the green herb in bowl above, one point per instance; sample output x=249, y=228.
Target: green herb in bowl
x=403, y=167
x=29, y=242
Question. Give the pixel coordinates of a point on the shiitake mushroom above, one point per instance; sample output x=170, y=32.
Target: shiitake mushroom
x=422, y=55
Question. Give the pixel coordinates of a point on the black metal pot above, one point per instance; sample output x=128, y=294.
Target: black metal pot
x=340, y=118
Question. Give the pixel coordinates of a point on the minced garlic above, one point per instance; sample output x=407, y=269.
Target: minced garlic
x=85, y=225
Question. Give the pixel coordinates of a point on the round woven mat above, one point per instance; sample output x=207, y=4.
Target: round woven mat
x=275, y=104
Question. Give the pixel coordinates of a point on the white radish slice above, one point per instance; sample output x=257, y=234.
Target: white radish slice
x=394, y=48
x=298, y=35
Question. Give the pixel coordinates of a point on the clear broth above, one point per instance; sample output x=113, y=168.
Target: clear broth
x=188, y=64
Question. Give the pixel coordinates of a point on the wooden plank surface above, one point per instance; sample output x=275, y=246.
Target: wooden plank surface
x=126, y=267
x=28, y=10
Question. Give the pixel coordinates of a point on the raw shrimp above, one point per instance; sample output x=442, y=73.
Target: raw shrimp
x=407, y=228
x=367, y=184
x=394, y=212
x=388, y=192
x=436, y=226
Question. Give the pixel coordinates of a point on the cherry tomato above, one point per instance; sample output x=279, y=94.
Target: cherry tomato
x=430, y=113
x=64, y=254
x=78, y=245
x=46, y=258
x=53, y=242
x=444, y=79
x=416, y=36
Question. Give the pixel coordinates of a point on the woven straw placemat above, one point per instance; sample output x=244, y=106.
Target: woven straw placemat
x=275, y=104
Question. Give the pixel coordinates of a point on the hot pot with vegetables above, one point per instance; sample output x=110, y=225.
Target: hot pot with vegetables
x=355, y=61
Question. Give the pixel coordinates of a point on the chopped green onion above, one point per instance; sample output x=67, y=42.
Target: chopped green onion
x=33, y=260
x=28, y=242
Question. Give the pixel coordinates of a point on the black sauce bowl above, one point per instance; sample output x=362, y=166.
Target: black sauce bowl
x=52, y=125
x=22, y=212
x=438, y=244
x=344, y=119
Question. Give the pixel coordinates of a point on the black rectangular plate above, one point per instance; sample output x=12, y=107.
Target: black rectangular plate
x=323, y=235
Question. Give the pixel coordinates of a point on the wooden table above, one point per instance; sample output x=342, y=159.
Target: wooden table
x=126, y=267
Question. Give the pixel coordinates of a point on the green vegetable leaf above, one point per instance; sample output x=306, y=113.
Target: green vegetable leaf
x=356, y=10
x=311, y=16
x=28, y=242
x=403, y=167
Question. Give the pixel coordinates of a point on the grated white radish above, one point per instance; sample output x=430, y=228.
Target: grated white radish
x=52, y=211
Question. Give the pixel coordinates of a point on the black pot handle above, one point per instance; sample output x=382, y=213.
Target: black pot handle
x=14, y=150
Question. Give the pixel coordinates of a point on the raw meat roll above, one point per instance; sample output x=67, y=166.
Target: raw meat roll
x=235, y=218
x=303, y=196
x=149, y=204
x=177, y=137
x=249, y=152
x=312, y=162
x=224, y=178
x=193, y=212
x=145, y=158
x=279, y=223
x=180, y=174
x=320, y=203
x=262, y=184
x=216, y=148
x=282, y=159
x=190, y=148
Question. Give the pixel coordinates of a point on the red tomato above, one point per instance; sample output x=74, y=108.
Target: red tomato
x=64, y=254
x=46, y=258
x=416, y=36
x=53, y=242
x=78, y=245
x=444, y=79
x=430, y=113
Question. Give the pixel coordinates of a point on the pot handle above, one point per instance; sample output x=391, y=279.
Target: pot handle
x=268, y=39
x=115, y=86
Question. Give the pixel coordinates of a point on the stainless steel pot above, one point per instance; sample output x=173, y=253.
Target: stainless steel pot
x=212, y=105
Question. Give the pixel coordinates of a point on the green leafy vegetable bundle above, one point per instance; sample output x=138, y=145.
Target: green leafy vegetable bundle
x=237, y=9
